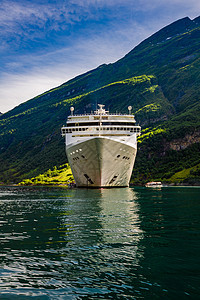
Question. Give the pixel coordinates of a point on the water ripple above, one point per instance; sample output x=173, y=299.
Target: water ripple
x=99, y=244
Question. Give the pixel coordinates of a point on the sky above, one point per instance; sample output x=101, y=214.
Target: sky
x=45, y=43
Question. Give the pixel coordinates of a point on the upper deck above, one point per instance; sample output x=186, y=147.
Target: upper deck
x=99, y=115
x=101, y=122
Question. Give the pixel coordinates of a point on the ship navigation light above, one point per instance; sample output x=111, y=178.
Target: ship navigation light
x=72, y=110
x=129, y=108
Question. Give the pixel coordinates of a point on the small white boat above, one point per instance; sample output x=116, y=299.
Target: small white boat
x=154, y=184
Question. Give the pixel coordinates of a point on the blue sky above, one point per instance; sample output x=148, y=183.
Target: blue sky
x=45, y=43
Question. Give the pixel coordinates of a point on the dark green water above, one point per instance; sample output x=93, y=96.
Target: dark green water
x=100, y=244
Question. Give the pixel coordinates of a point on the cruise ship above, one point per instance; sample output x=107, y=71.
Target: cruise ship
x=101, y=147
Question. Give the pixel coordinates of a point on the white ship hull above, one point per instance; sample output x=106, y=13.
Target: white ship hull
x=101, y=162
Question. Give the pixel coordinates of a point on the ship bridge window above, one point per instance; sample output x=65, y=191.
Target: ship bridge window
x=83, y=124
x=119, y=123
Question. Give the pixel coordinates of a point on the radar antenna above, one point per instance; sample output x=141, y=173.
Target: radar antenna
x=101, y=110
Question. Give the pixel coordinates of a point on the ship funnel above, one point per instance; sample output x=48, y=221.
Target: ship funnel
x=72, y=110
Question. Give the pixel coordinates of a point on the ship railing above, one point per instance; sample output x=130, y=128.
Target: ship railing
x=93, y=114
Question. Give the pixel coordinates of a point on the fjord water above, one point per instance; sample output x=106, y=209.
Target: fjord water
x=128, y=243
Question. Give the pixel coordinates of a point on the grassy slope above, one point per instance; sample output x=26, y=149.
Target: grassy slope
x=57, y=176
x=168, y=98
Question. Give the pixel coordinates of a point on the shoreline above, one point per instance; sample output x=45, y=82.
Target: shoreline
x=70, y=187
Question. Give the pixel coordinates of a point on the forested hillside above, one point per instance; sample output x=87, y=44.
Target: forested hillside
x=160, y=79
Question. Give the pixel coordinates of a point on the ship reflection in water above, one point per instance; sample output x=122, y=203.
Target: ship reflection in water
x=67, y=240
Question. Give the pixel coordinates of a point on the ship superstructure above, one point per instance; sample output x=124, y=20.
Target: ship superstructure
x=101, y=147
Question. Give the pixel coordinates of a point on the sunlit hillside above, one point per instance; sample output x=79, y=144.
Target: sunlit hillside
x=160, y=79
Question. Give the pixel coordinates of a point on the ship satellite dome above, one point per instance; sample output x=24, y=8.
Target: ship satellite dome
x=129, y=107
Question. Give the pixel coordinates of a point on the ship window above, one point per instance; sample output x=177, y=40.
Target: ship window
x=82, y=156
x=125, y=157
x=119, y=123
x=118, y=156
x=76, y=158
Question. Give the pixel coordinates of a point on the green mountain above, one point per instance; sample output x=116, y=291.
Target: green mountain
x=160, y=79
